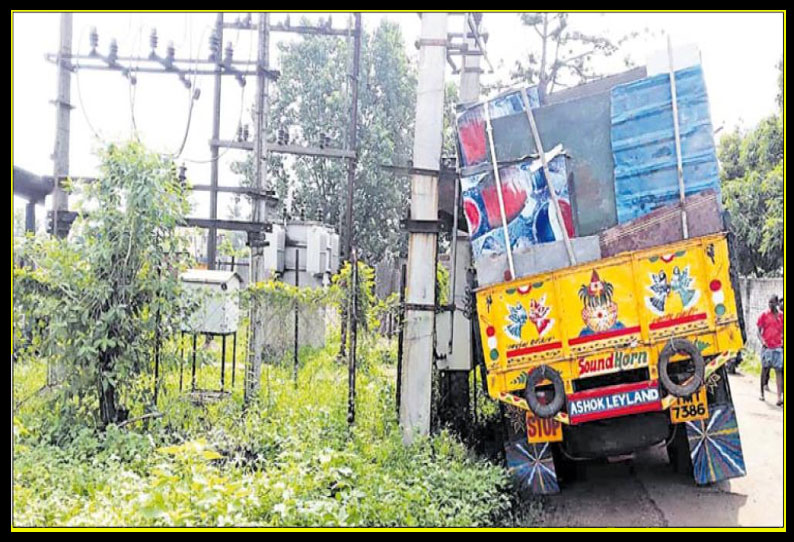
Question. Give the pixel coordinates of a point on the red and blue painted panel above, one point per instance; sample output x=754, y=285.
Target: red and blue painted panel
x=715, y=447
x=532, y=467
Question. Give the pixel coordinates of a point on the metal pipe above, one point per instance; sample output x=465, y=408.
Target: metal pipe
x=223, y=362
x=454, y=262
x=212, y=234
x=400, y=327
x=351, y=359
x=352, y=136
x=193, y=376
x=295, y=337
x=677, y=131
x=552, y=192
x=234, y=358
x=498, y=180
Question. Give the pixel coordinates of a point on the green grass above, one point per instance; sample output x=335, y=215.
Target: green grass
x=290, y=459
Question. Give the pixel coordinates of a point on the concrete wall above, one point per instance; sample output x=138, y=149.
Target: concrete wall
x=755, y=300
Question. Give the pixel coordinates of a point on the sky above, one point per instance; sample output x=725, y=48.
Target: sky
x=739, y=54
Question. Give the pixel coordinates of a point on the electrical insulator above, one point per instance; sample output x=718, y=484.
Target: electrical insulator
x=93, y=38
x=245, y=132
x=227, y=55
x=239, y=132
x=114, y=51
x=153, y=40
x=182, y=174
x=322, y=140
x=283, y=137
x=170, y=52
x=215, y=45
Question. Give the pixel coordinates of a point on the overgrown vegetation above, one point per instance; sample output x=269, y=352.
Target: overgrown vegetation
x=289, y=459
x=91, y=308
x=94, y=304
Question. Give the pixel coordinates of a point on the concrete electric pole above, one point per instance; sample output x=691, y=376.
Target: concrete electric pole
x=63, y=107
x=416, y=377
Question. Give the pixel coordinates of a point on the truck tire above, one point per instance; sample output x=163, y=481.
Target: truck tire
x=689, y=387
x=544, y=372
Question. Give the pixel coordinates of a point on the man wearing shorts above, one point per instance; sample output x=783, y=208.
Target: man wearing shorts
x=770, y=333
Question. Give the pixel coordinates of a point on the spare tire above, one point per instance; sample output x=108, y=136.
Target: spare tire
x=692, y=384
x=538, y=374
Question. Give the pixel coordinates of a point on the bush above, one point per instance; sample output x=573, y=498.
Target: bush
x=287, y=460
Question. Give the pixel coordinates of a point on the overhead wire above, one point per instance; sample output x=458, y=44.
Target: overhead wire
x=80, y=93
x=242, y=107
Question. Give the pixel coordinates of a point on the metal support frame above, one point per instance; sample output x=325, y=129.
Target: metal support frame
x=287, y=149
x=208, y=336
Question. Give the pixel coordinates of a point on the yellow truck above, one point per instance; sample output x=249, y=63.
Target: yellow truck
x=605, y=358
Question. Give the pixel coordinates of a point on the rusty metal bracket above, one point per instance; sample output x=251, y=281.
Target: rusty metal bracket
x=424, y=226
x=428, y=307
x=410, y=170
x=429, y=42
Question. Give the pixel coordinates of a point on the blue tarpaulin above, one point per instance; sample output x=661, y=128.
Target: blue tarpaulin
x=643, y=142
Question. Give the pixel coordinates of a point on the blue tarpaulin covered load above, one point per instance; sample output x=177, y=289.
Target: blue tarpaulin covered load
x=643, y=142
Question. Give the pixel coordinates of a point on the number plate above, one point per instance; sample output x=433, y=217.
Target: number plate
x=687, y=409
x=543, y=429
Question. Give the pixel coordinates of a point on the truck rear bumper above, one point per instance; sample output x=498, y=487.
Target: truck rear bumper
x=616, y=436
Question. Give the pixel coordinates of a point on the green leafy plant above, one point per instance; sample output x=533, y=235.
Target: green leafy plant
x=95, y=303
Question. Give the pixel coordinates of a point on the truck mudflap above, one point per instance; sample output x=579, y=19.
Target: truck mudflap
x=532, y=467
x=715, y=447
x=530, y=464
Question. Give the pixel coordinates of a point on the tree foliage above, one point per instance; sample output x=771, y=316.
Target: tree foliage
x=95, y=302
x=565, y=54
x=752, y=179
x=311, y=105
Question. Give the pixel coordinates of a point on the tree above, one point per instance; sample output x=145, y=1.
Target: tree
x=98, y=300
x=751, y=169
x=310, y=105
x=565, y=54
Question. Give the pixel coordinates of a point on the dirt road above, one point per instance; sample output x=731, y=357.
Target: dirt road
x=644, y=492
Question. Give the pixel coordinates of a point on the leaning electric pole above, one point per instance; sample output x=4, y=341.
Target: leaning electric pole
x=416, y=377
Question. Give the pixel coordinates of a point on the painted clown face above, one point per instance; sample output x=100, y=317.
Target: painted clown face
x=599, y=312
x=600, y=318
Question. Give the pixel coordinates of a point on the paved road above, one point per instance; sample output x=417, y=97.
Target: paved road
x=645, y=491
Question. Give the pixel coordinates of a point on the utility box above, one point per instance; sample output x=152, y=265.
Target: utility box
x=317, y=251
x=218, y=310
x=453, y=333
x=333, y=252
x=274, y=251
